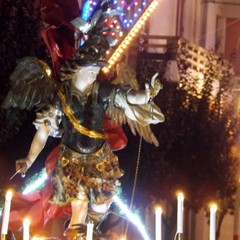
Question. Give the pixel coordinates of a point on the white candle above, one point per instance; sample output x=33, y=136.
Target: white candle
x=89, y=231
x=213, y=210
x=6, y=212
x=180, y=198
x=26, y=226
x=158, y=224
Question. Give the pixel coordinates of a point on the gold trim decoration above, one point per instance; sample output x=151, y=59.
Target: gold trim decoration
x=83, y=130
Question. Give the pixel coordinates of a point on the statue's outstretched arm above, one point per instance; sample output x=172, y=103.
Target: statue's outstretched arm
x=38, y=143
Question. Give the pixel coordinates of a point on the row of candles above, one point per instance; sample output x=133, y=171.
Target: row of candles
x=26, y=222
x=180, y=212
x=158, y=220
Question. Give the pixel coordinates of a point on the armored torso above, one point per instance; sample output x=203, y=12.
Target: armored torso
x=89, y=110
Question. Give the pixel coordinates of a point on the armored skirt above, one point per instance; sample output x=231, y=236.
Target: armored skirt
x=87, y=177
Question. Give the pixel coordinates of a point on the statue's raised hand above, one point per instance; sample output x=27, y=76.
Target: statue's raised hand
x=156, y=86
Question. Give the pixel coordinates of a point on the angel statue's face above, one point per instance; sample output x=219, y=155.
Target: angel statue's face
x=88, y=74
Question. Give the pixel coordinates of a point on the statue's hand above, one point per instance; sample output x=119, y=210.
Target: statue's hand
x=156, y=86
x=22, y=165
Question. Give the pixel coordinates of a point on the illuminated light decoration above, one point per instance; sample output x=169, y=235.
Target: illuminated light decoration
x=127, y=41
x=124, y=46
x=111, y=62
x=86, y=8
x=132, y=33
x=126, y=10
x=133, y=218
x=36, y=184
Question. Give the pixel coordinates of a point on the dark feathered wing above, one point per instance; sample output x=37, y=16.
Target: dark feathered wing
x=31, y=85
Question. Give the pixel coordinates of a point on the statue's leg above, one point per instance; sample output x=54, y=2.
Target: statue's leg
x=79, y=214
x=98, y=212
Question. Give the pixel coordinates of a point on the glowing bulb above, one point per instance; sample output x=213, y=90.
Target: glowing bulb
x=105, y=70
x=127, y=42
x=151, y=9
x=133, y=34
x=124, y=45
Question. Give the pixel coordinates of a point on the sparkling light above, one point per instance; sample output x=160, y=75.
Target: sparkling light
x=134, y=219
x=36, y=184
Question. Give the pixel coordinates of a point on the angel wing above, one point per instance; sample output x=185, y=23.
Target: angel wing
x=31, y=85
x=125, y=74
